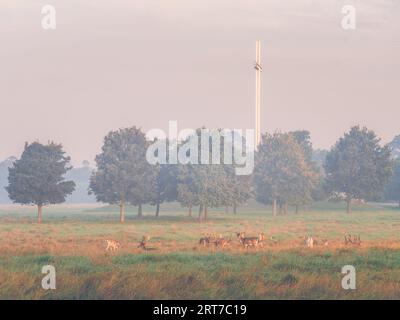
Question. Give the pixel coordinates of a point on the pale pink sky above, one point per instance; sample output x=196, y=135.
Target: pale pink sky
x=119, y=63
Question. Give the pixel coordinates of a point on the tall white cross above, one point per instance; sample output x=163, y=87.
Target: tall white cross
x=258, y=68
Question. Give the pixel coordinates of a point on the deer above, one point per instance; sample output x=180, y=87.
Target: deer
x=324, y=242
x=250, y=241
x=221, y=242
x=143, y=243
x=112, y=245
x=308, y=241
x=320, y=242
x=349, y=239
x=209, y=238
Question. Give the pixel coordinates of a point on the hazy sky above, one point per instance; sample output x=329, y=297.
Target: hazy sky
x=112, y=64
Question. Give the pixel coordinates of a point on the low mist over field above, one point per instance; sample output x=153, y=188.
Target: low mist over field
x=223, y=150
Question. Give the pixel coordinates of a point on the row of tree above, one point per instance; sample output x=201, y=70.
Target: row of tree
x=124, y=176
x=285, y=173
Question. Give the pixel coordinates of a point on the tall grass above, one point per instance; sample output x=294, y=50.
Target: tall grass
x=72, y=239
x=275, y=275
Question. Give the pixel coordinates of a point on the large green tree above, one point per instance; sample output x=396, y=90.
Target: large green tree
x=38, y=177
x=205, y=185
x=357, y=166
x=123, y=174
x=282, y=173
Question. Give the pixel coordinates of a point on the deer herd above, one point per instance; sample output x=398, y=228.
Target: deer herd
x=244, y=241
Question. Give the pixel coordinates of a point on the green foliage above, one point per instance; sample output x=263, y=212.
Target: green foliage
x=187, y=188
x=303, y=138
x=283, y=171
x=123, y=173
x=357, y=167
x=239, y=188
x=38, y=177
x=203, y=185
x=392, y=191
x=206, y=185
x=290, y=274
x=314, y=191
x=166, y=185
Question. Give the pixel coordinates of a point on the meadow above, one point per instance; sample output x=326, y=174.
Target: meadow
x=71, y=239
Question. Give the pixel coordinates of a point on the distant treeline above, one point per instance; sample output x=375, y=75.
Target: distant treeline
x=287, y=172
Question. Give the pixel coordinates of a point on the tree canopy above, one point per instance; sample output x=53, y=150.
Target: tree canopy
x=283, y=172
x=357, y=167
x=123, y=174
x=38, y=177
x=206, y=185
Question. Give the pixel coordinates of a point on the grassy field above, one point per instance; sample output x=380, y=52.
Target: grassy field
x=175, y=267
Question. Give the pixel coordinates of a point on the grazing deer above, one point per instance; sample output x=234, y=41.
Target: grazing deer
x=221, y=242
x=209, y=238
x=239, y=236
x=261, y=238
x=143, y=243
x=112, y=245
x=349, y=239
x=309, y=242
x=204, y=241
x=320, y=242
x=249, y=241
x=325, y=242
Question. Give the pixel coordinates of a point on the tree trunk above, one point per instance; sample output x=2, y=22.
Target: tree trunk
x=280, y=208
x=274, y=207
x=157, y=209
x=285, y=208
x=226, y=209
x=122, y=211
x=296, y=209
x=399, y=204
x=234, y=208
x=39, y=217
x=205, y=213
x=140, y=210
x=200, y=211
x=348, y=205
x=190, y=210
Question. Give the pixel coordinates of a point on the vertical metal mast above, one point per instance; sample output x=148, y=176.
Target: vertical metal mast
x=258, y=68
